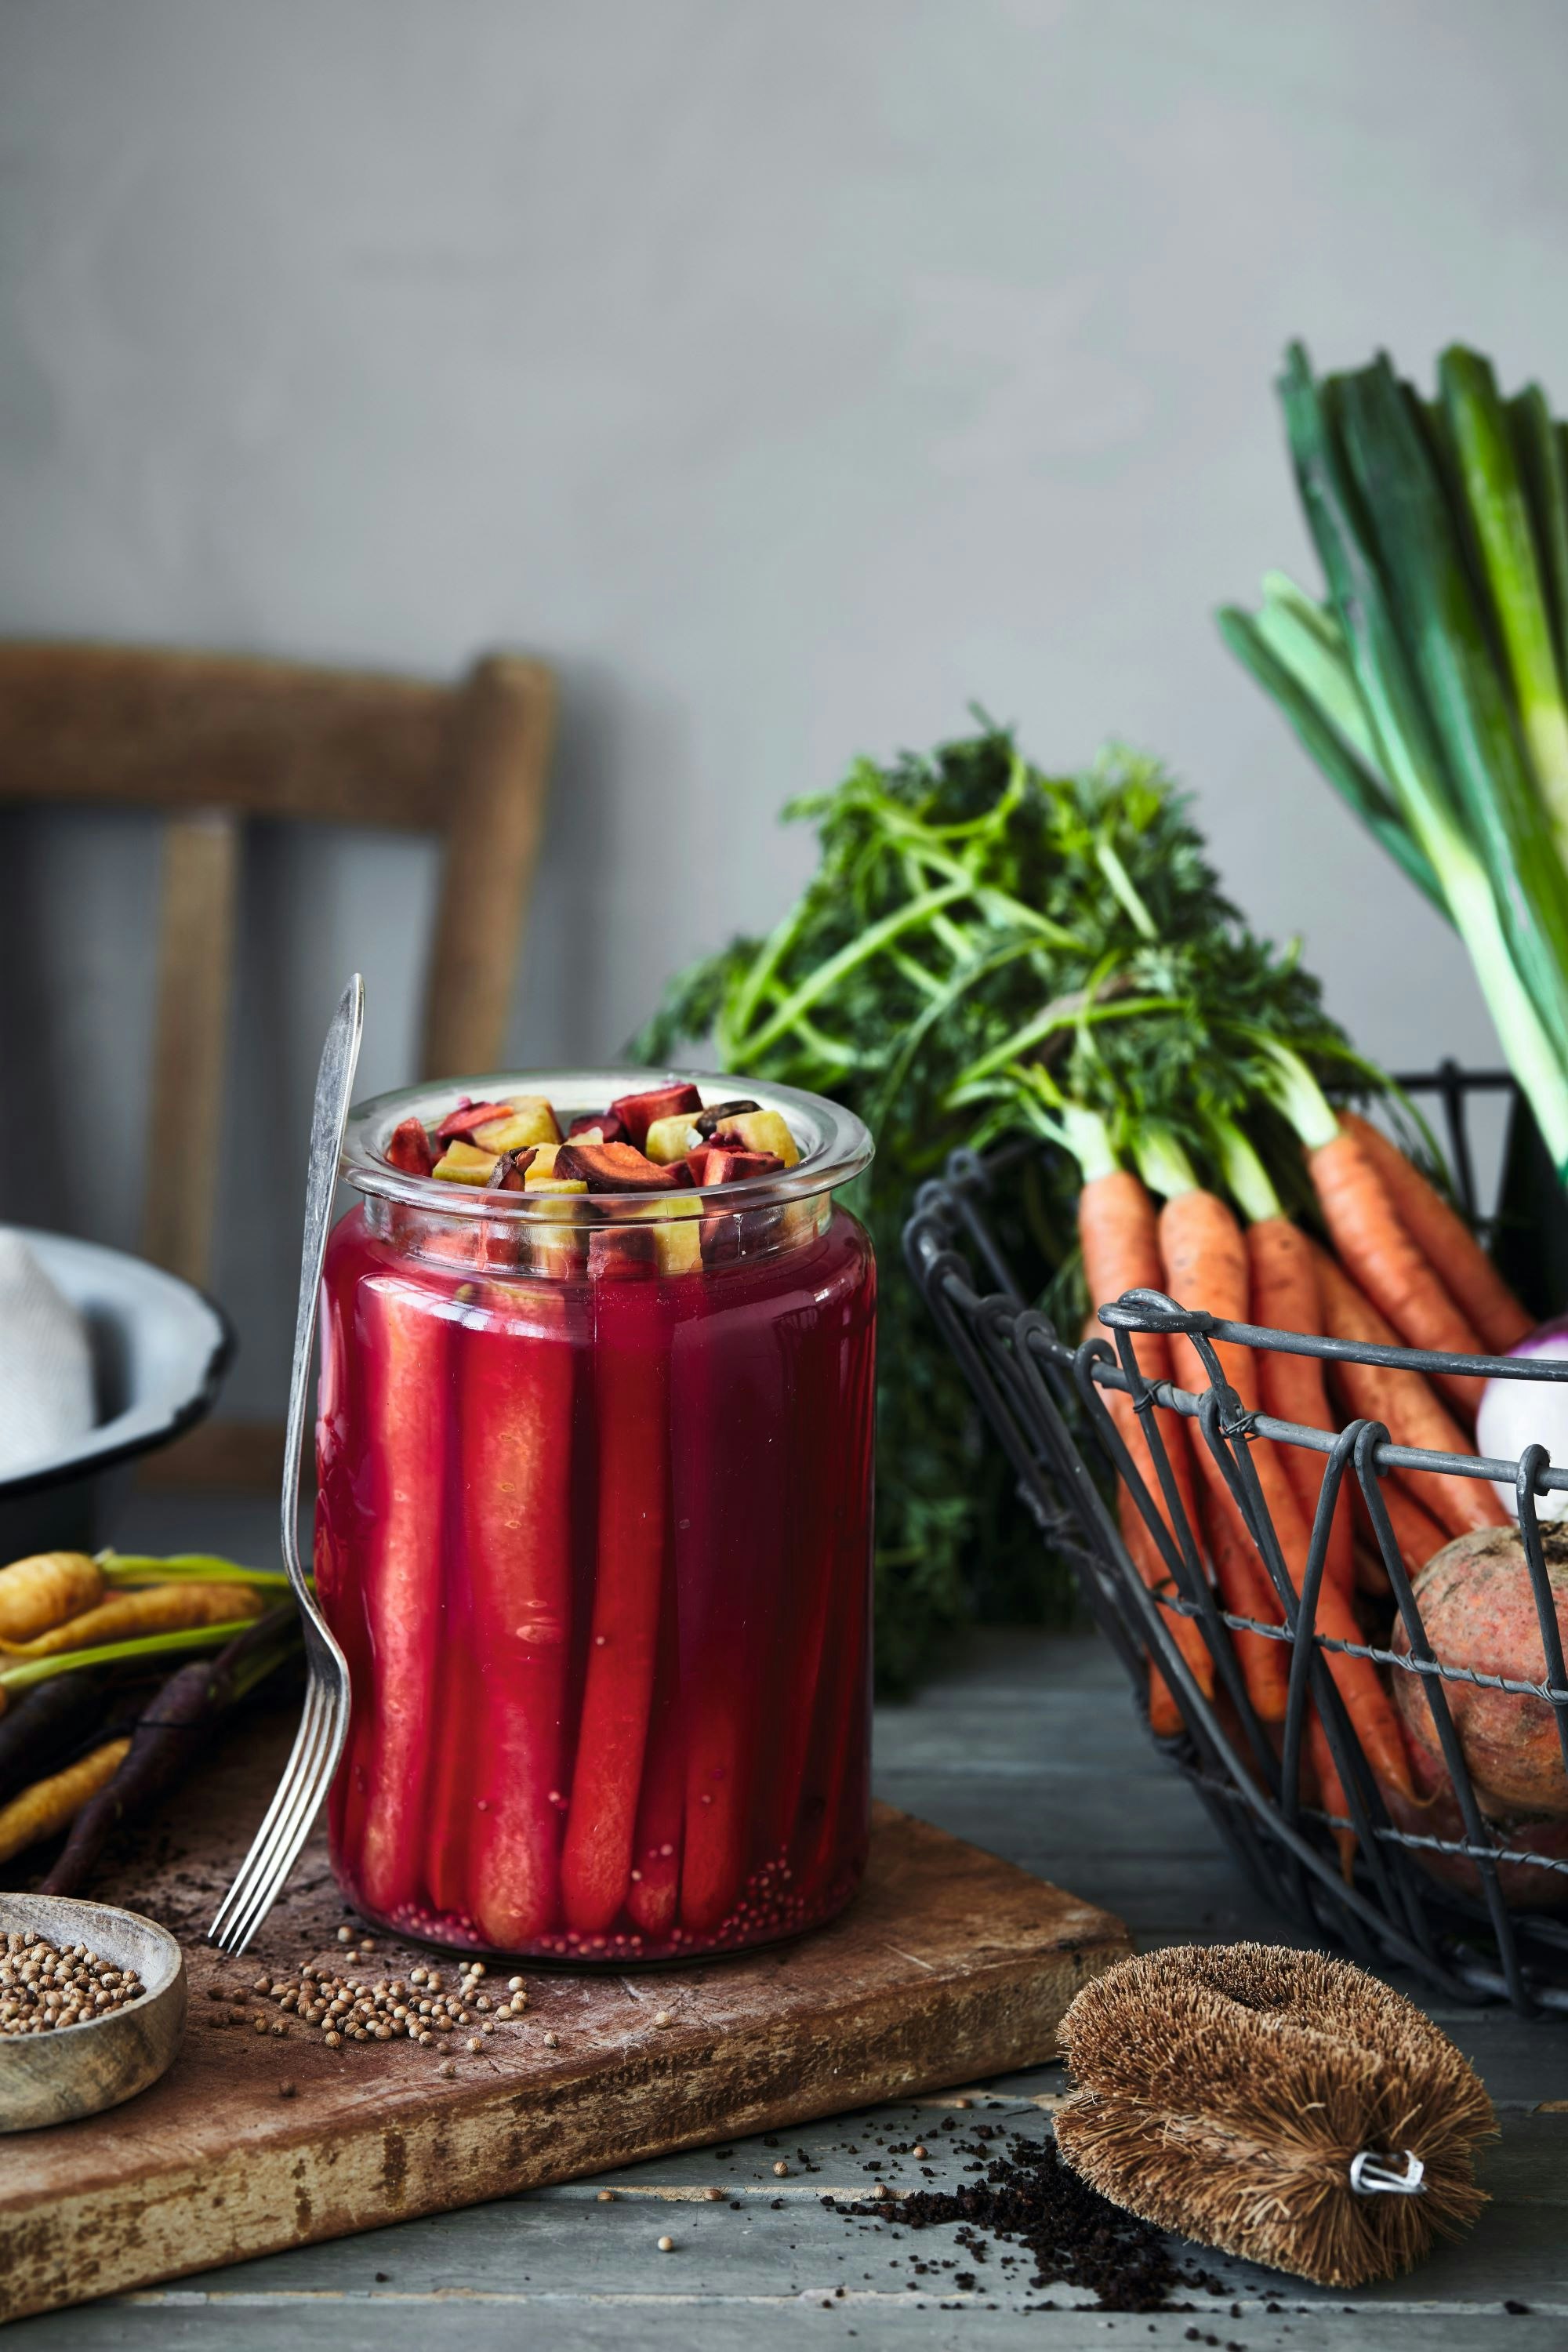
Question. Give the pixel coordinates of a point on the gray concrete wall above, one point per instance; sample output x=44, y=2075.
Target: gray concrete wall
x=787, y=375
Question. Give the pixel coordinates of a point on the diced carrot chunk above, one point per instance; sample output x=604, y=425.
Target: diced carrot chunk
x=408, y=1147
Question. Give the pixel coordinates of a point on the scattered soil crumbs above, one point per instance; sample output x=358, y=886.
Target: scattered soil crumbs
x=1077, y=2237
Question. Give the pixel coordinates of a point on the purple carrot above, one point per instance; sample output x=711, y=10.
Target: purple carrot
x=170, y=1732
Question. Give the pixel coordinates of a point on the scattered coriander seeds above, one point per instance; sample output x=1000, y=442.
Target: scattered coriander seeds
x=345, y=1934
x=780, y=2171
x=663, y=2017
x=352, y=2007
x=516, y=1984
x=715, y=2196
x=606, y=2196
x=552, y=2041
x=918, y=2152
x=448, y=2069
x=666, y=2245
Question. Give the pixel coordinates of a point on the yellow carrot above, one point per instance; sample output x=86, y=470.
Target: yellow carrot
x=151, y=1609
x=48, y=1805
x=46, y=1589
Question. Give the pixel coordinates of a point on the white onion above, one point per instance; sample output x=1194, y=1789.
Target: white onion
x=1517, y=1413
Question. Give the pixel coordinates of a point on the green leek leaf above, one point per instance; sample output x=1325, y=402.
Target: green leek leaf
x=1499, y=515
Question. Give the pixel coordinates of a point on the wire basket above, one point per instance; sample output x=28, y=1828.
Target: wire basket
x=1449, y=1907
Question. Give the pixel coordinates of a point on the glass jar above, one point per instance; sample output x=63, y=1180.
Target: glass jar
x=594, y=1531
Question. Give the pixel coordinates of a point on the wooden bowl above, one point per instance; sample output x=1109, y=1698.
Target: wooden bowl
x=52, y=2078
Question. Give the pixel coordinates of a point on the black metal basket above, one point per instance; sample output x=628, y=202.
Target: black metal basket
x=1043, y=1400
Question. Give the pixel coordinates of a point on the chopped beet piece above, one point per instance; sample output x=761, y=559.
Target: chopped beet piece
x=409, y=1149
x=611, y=1127
x=621, y=1253
x=716, y=1165
x=717, y=1113
x=468, y=1115
x=614, y=1168
x=506, y=1176
x=636, y=1113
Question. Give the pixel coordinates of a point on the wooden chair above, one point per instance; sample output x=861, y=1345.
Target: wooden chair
x=214, y=739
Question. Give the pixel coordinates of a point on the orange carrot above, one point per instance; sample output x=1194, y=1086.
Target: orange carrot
x=1119, y=1232
x=1415, y=1531
x=1206, y=1264
x=1407, y=1406
x=1445, y=1241
x=1246, y=1591
x=1285, y=1295
x=1165, y=1714
x=1332, y=1790
x=1368, y=1703
x=1204, y=1258
x=1375, y=1248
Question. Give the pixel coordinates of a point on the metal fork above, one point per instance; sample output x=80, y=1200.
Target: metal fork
x=324, y=1723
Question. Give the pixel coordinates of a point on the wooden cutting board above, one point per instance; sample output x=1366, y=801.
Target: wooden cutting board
x=950, y=1965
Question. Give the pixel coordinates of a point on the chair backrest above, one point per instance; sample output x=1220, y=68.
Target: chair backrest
x=214, y=739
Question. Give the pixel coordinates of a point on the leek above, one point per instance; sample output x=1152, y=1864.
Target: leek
x=1431, y=684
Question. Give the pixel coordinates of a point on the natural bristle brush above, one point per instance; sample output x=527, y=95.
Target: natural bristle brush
x=1276, y=2104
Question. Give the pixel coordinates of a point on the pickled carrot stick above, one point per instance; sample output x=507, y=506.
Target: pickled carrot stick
x=842, y=1424
x=831, y=1832
x=515, y=1386
x=656, y=1853
x=727, y=1670
x=449, y=1795
x=631, y=1420
x=830, y=1819
x=340, y=1523
x=405, y=1341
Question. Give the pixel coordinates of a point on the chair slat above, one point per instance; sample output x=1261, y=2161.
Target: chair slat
x=500, y=773
x=190, y=1040
x=155, y=730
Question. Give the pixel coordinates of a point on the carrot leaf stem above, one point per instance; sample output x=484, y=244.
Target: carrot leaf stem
x=1247, y=1178
x=114, y=1654
x=1162, y=1162
x=195, y=1566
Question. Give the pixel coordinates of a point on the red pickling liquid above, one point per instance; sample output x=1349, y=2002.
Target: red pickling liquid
x=598, y=1552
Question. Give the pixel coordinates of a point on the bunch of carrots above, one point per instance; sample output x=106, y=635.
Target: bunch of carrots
x=1391, y=1263
x=86, y=1739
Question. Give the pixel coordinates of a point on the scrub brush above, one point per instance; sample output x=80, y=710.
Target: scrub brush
x=1276, y=2104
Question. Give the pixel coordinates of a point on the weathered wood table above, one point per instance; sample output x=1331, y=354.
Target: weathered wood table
x=1027, y=1746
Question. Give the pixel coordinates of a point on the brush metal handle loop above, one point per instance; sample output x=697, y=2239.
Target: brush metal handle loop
x=1373, y=2174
